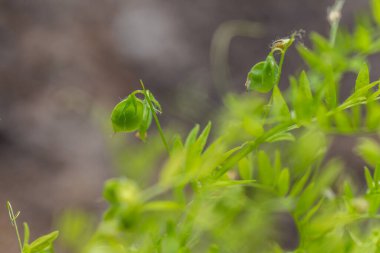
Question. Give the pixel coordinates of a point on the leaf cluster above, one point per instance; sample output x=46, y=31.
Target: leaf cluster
x=267, y=160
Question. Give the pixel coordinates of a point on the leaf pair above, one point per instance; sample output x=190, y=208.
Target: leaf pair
x=43, y=244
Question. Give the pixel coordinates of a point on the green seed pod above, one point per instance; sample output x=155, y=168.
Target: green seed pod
x=263, y=76
x=127, y=115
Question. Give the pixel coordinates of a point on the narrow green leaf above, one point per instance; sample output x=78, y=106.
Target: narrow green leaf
x=376, y=176
x=283, y=182
x=277, y=166
x=224, y=183
x=362, y=39
x=156, y=105
x=304, y=86
x=373, y=116
x=343, y=122
x=162, y=206
x=331, y=90
x=281, y=137
x=177, y=144
x=320, y=43
x=302, y=99
x=312, y=211
x=265, y=169
x=322, y=118
x=245, y=167
x=43, y=242
x=362, y=79
x=368, y=178
x=312, y=59
x=375, y=4
x=374, y=203
x=202, y=139
x=26, y=234
x=279, y=107
x=306, y=200
x=369, y=150
x=348, y=193
x=192, y=137
x=361, y=93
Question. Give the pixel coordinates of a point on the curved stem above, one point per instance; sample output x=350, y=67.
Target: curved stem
x=13, y=218
x=155, y=118
x=249, y=146
x=334, y=19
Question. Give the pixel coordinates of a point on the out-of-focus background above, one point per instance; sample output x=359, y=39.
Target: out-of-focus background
x=65, y=64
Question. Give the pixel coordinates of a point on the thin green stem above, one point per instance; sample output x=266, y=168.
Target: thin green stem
x=155, y=118
x=280, y=66
x=334, y=16
x=249, y=146
x=13, y=218
x=333, y=32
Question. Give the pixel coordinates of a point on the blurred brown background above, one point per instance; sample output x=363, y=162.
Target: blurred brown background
x=65, y=63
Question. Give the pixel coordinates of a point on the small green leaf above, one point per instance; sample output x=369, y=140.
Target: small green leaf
x=43, y=242
x=177, y=144
x=343, y=122
x=285, y=136
x=302, y=98
x=362, y=39
x=312, y=211
x=202, y=139
x=331, y=95
x=304, y=86
x=225, y=183
x=299, y=185
x=368, y=178
x=369, y=150
x=26, y=234
x=265, y=169
x=155, y=103
x=192, y=136
x=320, y=43
x=279, y=107
x=375, y=7
x=376, y=176
x=348, y=193
x=245, y=167
x=26, y=248
x=322, y=118
x=373, y=116
x=374, y=203
x=283, y=182
x=312, y=59
x=162, y=206
x=363, y=78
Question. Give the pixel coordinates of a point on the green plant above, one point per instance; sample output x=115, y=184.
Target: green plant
x=43, y=244
x=266, y=162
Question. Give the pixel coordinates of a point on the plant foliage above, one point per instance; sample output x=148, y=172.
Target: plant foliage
x=266, y=163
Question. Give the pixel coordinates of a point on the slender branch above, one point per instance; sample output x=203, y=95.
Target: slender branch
x=250, y=146
x=334, y=16
x=155, y=118
x=13, y=218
